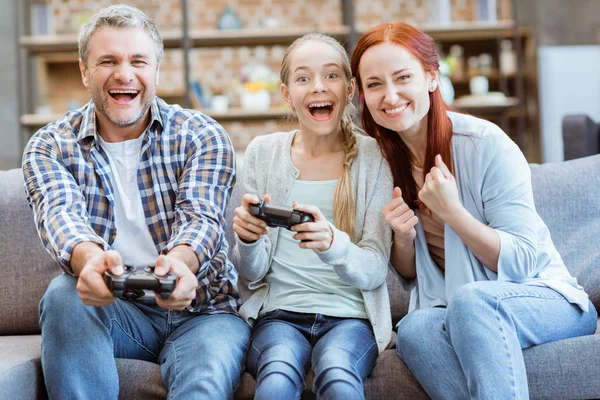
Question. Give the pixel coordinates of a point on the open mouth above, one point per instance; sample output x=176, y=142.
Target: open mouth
x=321, y=111
x=392, y=112
x=124, y=96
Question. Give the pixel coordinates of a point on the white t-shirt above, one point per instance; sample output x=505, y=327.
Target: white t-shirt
x=133, y=240
x=299, y=281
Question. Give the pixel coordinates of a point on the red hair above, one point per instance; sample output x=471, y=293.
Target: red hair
x=439, y=126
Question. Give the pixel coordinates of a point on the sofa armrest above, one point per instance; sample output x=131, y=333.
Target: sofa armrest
x=580, y=136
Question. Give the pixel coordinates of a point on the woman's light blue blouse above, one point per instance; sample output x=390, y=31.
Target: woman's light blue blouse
x=494, y=185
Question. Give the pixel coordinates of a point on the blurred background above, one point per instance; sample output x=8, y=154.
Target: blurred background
x=523, y=64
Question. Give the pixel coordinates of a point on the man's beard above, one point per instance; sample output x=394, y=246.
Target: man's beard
x=101, y=103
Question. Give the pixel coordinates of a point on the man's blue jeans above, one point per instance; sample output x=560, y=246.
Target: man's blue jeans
x=200, y=356
x=284, y=344
x=474, y=347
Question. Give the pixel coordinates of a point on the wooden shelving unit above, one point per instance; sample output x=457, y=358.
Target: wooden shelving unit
x=56, y=49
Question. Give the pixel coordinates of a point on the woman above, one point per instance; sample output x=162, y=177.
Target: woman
x=486, y=278
x=317, y=292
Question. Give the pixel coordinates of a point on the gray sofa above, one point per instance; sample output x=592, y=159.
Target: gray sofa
x=581, y=136
x=567, y=197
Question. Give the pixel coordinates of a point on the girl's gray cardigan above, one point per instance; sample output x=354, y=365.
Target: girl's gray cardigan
x=268, y=168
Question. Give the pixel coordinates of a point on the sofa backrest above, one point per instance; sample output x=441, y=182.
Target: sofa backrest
x=581, y=136
x=566, y=196
x=25, y=265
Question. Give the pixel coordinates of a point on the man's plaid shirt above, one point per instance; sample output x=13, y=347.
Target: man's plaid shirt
x=185, y=177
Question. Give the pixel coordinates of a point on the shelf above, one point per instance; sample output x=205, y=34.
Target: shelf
x=238, y=114
x=469, y=30
x=198, y=38
x=234, y=114
x=492, y=77
x=39, y=120
x=254, y=37
x=466, y=30
x=483, y=107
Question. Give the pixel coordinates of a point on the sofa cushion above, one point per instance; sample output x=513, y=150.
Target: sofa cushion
x=567, y=369
x=567, y=197
x=17, y=350
x=139, y=380
x=391, y=378
x=20, y=367
x=21, y=248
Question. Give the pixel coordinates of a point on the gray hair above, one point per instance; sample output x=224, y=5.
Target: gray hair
x=118, y=16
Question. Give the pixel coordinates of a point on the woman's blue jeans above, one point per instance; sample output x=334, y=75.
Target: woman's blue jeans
x=200, y=356
x=342, y=352
x=473, y=349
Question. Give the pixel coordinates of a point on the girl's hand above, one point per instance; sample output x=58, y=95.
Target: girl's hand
x=247, y=226
x=401, y=218
x=316, y=235
x=440, y=193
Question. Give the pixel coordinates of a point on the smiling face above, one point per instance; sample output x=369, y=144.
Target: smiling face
x=396, y=88
x=121, y=76
x=317, y=87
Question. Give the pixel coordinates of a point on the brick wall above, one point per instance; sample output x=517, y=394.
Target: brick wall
x=220, y=67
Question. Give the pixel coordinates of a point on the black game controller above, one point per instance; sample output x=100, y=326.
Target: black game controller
x=134, y=280
x=279, y=216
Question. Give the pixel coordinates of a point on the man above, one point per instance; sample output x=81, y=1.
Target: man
x=130, y=180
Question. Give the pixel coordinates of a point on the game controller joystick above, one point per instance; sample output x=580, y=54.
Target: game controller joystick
x=134, y=280
x=279, y=216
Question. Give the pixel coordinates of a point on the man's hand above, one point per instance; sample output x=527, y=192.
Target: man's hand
x=401, y=218
x=440, y=193
x=90, y=285
x=185, y=287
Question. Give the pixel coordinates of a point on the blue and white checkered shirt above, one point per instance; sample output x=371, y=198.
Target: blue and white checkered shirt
x=185, y=177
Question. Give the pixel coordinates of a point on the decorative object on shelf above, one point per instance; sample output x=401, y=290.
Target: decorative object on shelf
x=472, y=66
x=438, y=12
x=73, y=105
x=486, y=10
x=258, y=82
x=457, y=63
x=479, y=85
x=446, y=87
x=44, y=110
x=271, y=23
x=259, y=100
x=484, y=64
x=508, y=58
x=81, y=19
x=229, y=20
x=199, y=98
x=41, y=19
x=219, y=103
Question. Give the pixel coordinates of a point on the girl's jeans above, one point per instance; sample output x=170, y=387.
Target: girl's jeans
x=342, y=352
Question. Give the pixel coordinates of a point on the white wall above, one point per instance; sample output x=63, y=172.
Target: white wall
x=569, y=84
x=10, y=139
